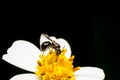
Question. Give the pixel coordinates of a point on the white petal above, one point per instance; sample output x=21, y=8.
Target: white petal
x=26, y=76
x=86, y=78
x=93, y=73
x=23, y=54
x=62, y=42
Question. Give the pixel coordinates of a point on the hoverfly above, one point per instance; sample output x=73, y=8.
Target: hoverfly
x=49, y=43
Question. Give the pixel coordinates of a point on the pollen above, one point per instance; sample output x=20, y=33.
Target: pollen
x=56, y=67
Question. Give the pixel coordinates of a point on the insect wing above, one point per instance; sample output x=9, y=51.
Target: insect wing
x=44, y=38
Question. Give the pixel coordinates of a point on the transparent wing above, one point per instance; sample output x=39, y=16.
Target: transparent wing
x=43, y=39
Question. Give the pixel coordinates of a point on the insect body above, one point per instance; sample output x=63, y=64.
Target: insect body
x=50, y=44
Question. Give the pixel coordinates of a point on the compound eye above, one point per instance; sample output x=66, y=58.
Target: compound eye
x=45, y=45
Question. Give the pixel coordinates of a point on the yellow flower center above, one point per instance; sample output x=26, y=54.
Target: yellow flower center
x=56, y=67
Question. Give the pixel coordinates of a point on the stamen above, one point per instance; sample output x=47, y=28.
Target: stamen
x=56, y=67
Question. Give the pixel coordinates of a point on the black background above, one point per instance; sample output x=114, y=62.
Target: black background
x=93, y=37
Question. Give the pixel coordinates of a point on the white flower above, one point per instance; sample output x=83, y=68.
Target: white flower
x=24, y=54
